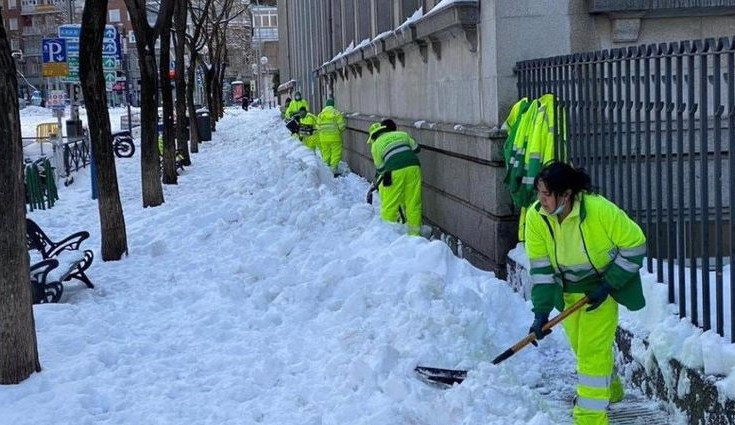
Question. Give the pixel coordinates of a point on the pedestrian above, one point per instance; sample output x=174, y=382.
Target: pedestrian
x=578, y=244
x=331, y=124
x=244, y=102
x=307, y=129
x=297, y=103
x=397, y=174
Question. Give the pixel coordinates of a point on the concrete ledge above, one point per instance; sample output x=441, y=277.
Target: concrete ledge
x=459, y=19
x=685, y=389
x=463, y=191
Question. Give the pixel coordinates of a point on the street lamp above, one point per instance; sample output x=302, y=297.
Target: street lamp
x=263, y=61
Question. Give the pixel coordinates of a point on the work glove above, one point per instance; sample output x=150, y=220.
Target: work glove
x=598, y=295
x=538, y=322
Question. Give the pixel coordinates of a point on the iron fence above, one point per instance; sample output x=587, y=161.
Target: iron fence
x=655, y=127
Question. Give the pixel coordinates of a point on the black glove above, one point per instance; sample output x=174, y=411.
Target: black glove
x=369, y=196
x=538, y=323
x=598, y=295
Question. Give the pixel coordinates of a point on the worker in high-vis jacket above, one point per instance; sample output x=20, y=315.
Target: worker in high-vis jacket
x=398, y=174
x=330, y=125
x=296, y=104
x=579, y=243
x=308, y=133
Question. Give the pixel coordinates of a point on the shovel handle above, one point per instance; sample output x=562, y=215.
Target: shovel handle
x=532, y=336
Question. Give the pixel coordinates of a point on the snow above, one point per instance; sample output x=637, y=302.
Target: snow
x=411, y=19
x=266, y=291
x=444, y=3
x=419, y=123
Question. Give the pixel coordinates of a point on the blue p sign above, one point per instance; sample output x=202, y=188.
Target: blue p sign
x=54, y=50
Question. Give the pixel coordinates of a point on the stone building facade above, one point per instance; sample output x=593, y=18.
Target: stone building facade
x=444, y=70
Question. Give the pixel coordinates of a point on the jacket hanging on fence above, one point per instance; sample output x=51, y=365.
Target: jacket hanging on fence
x=531, y=143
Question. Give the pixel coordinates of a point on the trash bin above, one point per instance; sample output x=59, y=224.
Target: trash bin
x=204, y=124
x=74, y=129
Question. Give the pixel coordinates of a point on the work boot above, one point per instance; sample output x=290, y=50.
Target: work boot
x=616, y=390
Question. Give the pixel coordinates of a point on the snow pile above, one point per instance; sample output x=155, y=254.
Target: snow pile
x=266, y=291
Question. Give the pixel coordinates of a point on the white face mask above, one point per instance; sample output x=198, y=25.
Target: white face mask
x=560, y=208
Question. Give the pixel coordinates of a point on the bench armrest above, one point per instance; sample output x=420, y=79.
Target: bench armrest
x=70, y=243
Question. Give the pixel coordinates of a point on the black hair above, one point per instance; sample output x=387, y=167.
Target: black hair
x=303, y=108
x=560, y=177
x=389, y=124
x=288, y=99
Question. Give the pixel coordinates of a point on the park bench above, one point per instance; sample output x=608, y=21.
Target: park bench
x=37, y=240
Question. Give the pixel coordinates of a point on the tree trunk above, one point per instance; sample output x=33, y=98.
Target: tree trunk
x=146, y=45
x=193, y=126
x=112, y=220
x=169, y=145
x=18, y=347
x=182, y=138
x=208, y=91
x=149, y=160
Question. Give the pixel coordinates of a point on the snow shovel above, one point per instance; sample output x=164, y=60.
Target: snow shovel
x=450, y=377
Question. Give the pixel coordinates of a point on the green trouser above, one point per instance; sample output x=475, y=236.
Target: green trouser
x=591, y=335
x=331, y=147
x=403, y=196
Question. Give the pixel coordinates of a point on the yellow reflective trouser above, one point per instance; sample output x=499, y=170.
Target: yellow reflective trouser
x=403, y=196
x=312, y=141
x=591, y=335
x=331, y=147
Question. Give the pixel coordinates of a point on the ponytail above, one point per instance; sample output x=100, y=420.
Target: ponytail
x=558, y=177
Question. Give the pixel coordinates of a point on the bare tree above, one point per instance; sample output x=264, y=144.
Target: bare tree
x=169, y=145
x=18, y=347
x=180, y=12
x=112, y=220
x=146, y=45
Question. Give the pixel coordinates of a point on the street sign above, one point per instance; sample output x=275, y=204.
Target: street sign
x=72, y=47
x=54, y=50
x=70, y=31
x=109, y=62
x=110, y=33
x=56, y=99
x=109, y=47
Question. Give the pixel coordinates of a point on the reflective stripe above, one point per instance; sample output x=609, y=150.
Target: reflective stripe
x=626, y=265
x=542, y=279
x=394, y=151
x=541, y=262
x=329, y=126
x=528, y=180
x=578, y=268
x=577, y=277
x=595, y=404
x=535, y=156
x=594, y=381
x=634, y=252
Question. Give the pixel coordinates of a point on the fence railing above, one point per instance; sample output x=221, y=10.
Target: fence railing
x=655, y=127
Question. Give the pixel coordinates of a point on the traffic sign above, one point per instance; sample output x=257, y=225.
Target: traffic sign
x=110, y=33
x=109, y=62
x=55, y=69
x=71, y=47
x=56, y=99
x=70, y=31
x=109, y=47
x=54, y=50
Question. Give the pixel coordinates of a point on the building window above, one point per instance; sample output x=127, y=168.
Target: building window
x=274, y=20
x=114, y=15
x=12, y=4
x=13, y=24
